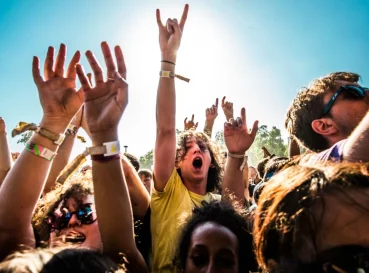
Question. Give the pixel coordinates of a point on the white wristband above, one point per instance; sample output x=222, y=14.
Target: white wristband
x=108, y=149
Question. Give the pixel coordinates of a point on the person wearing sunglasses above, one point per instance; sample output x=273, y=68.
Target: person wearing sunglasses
x=314, y=219
x=323, y=116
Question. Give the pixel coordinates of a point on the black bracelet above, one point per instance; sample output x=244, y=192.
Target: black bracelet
x=164, y=61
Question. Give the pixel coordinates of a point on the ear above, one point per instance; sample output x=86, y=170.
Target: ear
x=324, y=127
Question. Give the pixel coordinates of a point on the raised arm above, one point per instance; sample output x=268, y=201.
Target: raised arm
x=170, y=37
x=105, y=104
x=64, y=151
x=210, y=116
x=24, y=183
x=357, y=145
x=5, y=155
x=238, y=140
x=140, y=198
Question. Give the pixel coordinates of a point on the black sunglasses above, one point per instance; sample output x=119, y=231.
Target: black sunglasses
x=60, y=219
x=355, y=91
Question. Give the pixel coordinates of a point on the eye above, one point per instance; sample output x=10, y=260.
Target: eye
x=203, y=147
x=199, y=260
x=225, y=262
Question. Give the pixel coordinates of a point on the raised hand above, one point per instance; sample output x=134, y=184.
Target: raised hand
x=190, y=125
x=105, y=103
x=212, y=112
x=59, y=98
x=170, y=35
x=236, y=135
x=227, y=108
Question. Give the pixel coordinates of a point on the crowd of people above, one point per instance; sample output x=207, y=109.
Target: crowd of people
x=199, y=209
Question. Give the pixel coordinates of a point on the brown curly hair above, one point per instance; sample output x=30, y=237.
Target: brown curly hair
x=308, y=106
x=77, y=186
x=215, y=174
x=291, y=208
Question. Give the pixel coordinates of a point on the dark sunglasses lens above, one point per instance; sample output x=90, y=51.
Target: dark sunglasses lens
x=59, y=222
x=86, y=215
x=356, y=91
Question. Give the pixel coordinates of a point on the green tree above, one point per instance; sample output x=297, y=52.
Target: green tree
x=25, y=137
x=147, y=160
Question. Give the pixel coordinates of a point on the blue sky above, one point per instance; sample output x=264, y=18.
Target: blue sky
x=257, y=53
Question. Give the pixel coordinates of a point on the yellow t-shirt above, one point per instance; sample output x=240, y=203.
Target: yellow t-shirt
x=169, y=210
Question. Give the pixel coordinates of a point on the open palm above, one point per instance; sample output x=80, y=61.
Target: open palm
x=106, y=101
x=58, y=94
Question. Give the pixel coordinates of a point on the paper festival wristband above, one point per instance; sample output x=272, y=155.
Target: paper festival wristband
x=39, y=150
x=244, y=162
x=171, y=74
x=109, y=151
x=54, y=137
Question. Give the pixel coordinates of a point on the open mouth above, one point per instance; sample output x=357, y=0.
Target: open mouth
x=197, y=163
x=74, y=237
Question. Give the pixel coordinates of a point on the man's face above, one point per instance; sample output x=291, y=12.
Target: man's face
x=147, y=182
x=346, y=112
x=195, y=164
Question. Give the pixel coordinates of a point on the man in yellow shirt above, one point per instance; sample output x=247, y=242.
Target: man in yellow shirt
x=185, y=174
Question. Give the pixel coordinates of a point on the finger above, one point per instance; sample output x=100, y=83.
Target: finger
x=122, y=92
x=83, y=78
x=239, y=122
x=193, y=116
x=216, y=102
x=120, y=62
x=169, y=26
x=230, y=105
x=185, y=121
x=95, y=66
x=71, y=71
x=175, y=27
x=158, y=19
x=60, y=60
x=89, y=77
x=227, y=126
x=184, y=17
x=254, y=129
x=243, y=116
x=110, y=65
x=223, y=101
x=196, y=125
x=234, y=123
x=49, y=62
x=36, y=71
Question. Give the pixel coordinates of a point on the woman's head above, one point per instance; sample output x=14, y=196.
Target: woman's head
x=209, y=158
x=59, y=260
x=309, y=216
x=67, y=215
x=215, y=237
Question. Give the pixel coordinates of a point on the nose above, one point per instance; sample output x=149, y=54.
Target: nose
x=73, y=222
x=210, y=268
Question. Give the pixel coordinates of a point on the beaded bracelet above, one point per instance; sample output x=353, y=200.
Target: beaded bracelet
x=39, y=150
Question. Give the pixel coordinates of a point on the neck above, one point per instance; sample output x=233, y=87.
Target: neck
x=198, y=187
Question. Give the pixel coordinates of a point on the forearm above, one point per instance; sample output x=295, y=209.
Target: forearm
x=24, y=184
x=5, y=157
x=357, y=145
x=166, y=98
x=59, y=162
x=208, y=129
x=113, y=209
x=233, y=184
x=140, y=198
